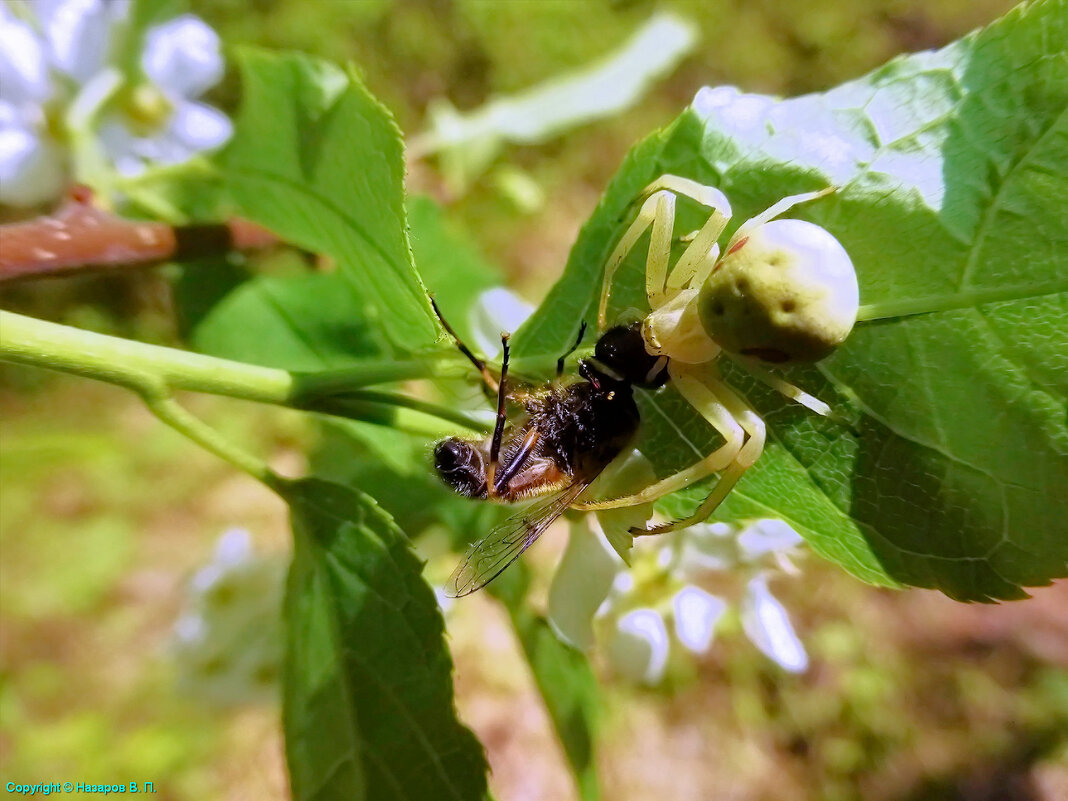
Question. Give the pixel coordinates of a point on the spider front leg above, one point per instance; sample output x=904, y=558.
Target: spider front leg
x=753, y=425
x=712, y=407
x=775, y=210
x=658, y=212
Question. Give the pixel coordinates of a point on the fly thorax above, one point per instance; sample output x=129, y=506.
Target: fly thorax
x=675, y=330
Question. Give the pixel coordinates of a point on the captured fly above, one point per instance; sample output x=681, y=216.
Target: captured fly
x=566, y=436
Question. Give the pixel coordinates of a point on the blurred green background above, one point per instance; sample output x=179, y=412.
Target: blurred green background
x=104, y=514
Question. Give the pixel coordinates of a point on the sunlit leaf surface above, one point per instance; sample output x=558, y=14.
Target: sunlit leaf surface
x=951, y=169
x=318, y=160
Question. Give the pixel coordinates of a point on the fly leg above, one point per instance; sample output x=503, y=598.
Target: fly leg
x=498, y=428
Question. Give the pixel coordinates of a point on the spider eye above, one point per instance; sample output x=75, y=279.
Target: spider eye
x=791, y=291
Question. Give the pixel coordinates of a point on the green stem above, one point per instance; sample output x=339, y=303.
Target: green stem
x=131, y=364
x=155, y=372
x=964, y=299
x=150, y=371
x=173, y=414
x=424, y=407
x=310, y=386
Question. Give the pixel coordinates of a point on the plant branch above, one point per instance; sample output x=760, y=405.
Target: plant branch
x=80, y=236
x=130, y=364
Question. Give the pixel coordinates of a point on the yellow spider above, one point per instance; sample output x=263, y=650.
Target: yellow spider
x=784, y=291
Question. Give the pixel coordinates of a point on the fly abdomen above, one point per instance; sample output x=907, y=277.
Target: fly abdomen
x=462, y=466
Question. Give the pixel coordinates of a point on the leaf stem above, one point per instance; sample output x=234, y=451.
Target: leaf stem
x=964, y=299
x=167, y=409
x=351, y=402
x=155, y=372
x=26, y=340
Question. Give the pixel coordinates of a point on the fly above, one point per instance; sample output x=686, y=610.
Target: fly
x=567, y=434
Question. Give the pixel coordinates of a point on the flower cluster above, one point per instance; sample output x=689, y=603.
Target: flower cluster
x=66, y=107
x=227, y=643
x=593, y=594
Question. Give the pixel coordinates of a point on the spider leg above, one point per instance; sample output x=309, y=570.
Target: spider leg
x=702, y=242
x=695, y=277
x=774, y=211
x=747, y=456
x=782, y=386
x=711, y=407
x=657, y=211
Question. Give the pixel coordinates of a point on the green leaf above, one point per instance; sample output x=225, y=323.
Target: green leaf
x=951, y=168
x=564, y=678
x=302, y=323
x=451, y=267
x=368, y=693
x=318, y=160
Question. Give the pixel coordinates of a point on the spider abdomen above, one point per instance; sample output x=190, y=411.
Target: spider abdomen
x=787, y=292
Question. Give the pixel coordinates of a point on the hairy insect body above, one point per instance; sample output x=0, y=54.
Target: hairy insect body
x=567, y=435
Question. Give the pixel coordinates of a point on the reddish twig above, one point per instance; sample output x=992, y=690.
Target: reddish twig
x=80, y=236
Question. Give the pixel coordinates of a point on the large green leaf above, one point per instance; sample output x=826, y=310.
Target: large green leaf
x=318, y=160
x=368, y=693
x=953, y=170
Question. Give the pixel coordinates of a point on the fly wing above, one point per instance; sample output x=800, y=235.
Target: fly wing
x=488, y=557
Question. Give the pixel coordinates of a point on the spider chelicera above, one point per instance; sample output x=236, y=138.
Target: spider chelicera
x=784, y=291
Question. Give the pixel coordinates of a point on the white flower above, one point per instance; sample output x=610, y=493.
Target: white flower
x=56, y=81
x=639, y=647
x=696, y=615
x=740, y=561
x=161, y=122
x=497, y=310
x=768, y=626
x=227, y=642
x=581, y=583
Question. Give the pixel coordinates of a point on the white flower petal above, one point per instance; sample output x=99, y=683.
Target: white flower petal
x=183, y=57
x=23, y=65
x=707, y=547
x=189, y=629
x=198, y=127
x=121, y=146
x=234, y=547
x=207, y=578
x=767, y=536
x=445, y=601
x=31, y=168
x=497, y=310
x=79, y=34
x=10, y=116
x=696, y=615
x=766, y=623
x=581, y=584
x=639, y=649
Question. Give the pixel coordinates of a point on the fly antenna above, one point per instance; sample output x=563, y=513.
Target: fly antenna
x=578, y=341
x=480, y=365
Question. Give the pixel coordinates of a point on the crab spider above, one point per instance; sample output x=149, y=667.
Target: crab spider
x=784, y=291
